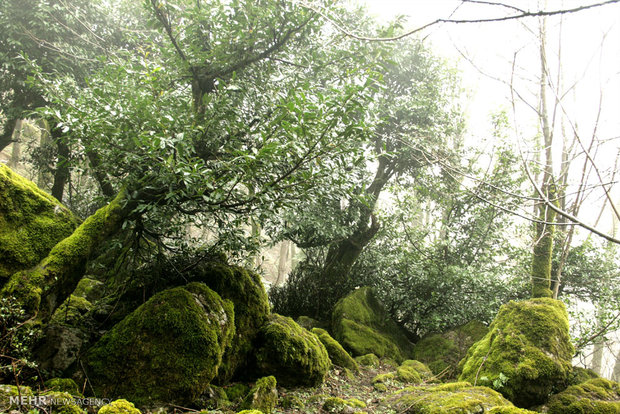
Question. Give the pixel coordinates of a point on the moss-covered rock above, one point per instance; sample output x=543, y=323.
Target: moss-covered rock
x=442, y=352
x=291, y=402
x=368, y=360
x=119, y=407
x=250, y=412
x=580, y=375
x=412, y=372
x=63, y=385
x=451, y=398
x=529, y=345
x=336, y=352
x=294, y=355
x=263, y=396
x=595, y=396
x=60, y=402
x=89, y=289
x=362, y=326
x=338, y=405
x=71, y=312
x=167, y=350
x=236, y=392
x=309, y=323
x=8, y=391
x=510, y=410
x=383, y=378
x=31, y=223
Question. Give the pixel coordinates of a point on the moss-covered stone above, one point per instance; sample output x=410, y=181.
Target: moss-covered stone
x=63, y=385
x=451, y=398
x=89, y=289
x=167, y=350
x=213, y=398
x=31, y=223
x=61, y=403
x=368, y=360
x=263, y=396
x=8, y=391
x=338, y=405
x=595, y=396
x=250, y=412
x=291, y=402
x=236, y=392
x=529, y=345
x=294, y=355
x=412, y=372
x=71, y=312
x=510, y=410
x=442, y=352
x=119, y=407
x=362, y=326
x=309, y=323
x=383, y=378
x=336, y=352
x=580, y=375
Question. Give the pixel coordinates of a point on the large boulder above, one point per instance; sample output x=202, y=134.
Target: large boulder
x=167, y=350
x=595, y=396
x=31, y=223
x=451, y=398
x=292, y=354
x=362, y=325
x=526, y=354
x=336, y=352
x=443, y=352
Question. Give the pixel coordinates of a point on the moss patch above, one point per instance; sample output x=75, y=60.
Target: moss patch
x=119, y=407
x=442, y=352
x=336, y=352
x=368, y=360
x=362, y=326
x=31, y=223
x=595, y=396
x=337, y=405
x=291, y=353
x=528, y=343
x=459, y=398
x=167, y=350
x=263, y=396
x=71, y=312
x=63, y=385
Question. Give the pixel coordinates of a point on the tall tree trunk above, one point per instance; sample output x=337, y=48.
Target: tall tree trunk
x=7, y=134
x=615, y=376
x=61, y=174
x=16, y=150
x=283, y=261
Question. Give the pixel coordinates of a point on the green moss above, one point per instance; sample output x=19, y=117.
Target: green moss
x=61, y=403
x=263, y=396
x=291, y=402
x=510, y=410
x=408, y=375
x=8, y=391
x=368, y=360
x=595, y=396
x=57, y=275
x=70, y=313
x=89, y=289
x=335, y=404
x=528, y=343
x=250, y=412
x=459, y=398
x=167, y=350
x=580, y=375
x=245, y=289
x=379, y=386
x=63, y=385
x=422, y=369
x=31, y=223
x=442, y=352
x=336, y=352
x=383, y=378
x=362, y=326
x=543, y=251
x=214, y=398
x=119, y=407
x=294, y=355
x=236, y=392
x=310, y=323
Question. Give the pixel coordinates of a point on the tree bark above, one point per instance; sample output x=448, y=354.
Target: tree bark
x=7, y=134
x=61, y=174
x=16, y=151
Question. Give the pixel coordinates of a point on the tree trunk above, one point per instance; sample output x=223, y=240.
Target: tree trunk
x=44, y=288
x=61, y=175
x=283, y=260
x=615, y=376
x=16, y=151
x=7, y=134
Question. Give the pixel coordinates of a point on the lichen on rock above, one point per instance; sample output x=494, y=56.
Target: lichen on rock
x=292, y=354
x=362, y=326
x=526, y=354
x=167, y=350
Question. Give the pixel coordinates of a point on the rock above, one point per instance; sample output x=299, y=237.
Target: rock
x=168, y=350
x=580, y=375
x=250, y=412
x=291, y=402
x=8, y=391
x=339, y=405
x=595, y=396
x=60, y=402
x=368, y=360
x=309, y=323
x=263, y=396
x=31, y=223
x=63, y=385
x=71, y=312
x=527, y=352
x=362, y=326
x=450, y=398
x=412, y=372
x=336, y=352
x=58, y=348
x=291, y=353
x=119, y=407
x=89, y=289
x=443, y=352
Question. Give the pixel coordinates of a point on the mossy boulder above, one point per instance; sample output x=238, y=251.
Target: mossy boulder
x=71, y=312
x=310, y=323
x=362, y=325
x=368, y=360
x=443, y=352
x=340, y=405
x=451, y=398
x=250, y=412
x=412, y=372
x=294, y=355
x=31, y=223
x=89, y=289
x=119, y=407
x=337, y=353
x=8, y=391
x=595, y=396
x=263, y=396
x=529, y=345
x=63, y=385
x=168, y=350
x=510, y=410
x=60, y=402
x=580, y=375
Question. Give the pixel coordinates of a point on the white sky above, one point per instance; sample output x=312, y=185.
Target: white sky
x=492, y=47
